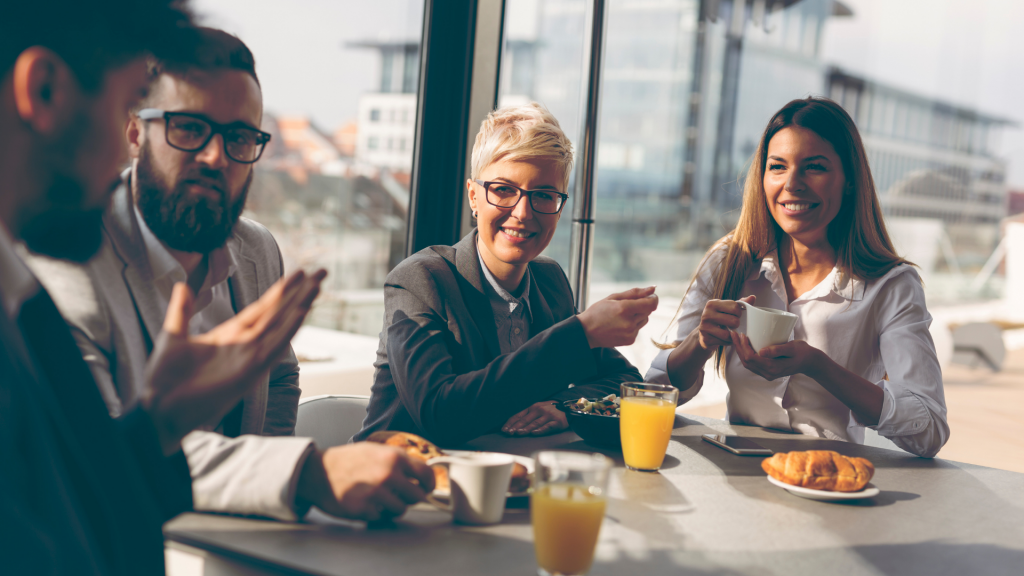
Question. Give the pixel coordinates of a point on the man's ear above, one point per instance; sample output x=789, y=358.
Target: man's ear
x=133, y=135
x=45, y=90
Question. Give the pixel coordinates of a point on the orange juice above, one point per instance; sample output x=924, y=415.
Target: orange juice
x=645, y=425
x=566, y=521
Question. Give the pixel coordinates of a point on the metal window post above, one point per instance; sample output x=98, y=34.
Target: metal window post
x=460, y=50
x=586, y=153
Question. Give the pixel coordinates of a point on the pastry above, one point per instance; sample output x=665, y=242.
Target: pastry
x=416, y=447
x=820, y=470
x=520, y=479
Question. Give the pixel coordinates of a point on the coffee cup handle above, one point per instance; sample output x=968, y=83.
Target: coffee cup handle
x=433, y=500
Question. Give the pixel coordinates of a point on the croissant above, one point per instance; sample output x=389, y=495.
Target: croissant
x=416, y=447
x=422, y=449
x=820, y=470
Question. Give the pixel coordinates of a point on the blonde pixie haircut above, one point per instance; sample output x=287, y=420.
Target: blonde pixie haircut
x=519, y=133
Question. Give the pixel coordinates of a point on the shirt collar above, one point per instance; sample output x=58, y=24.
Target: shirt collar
x=164, y=266
x=513, y=302
x=837, y=281
x=17, y=283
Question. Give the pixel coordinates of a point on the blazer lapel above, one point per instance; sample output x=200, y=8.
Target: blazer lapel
x=244, y=284
x=467, y=262
x=543, y=317
x=126, y=240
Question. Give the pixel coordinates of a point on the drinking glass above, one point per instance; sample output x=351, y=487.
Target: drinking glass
x=567, y=508
x=647, y=413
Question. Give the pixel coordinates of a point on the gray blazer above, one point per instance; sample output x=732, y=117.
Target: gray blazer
x=115, y=315
x=439, y=370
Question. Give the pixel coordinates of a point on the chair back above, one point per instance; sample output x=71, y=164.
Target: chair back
x=331, y=420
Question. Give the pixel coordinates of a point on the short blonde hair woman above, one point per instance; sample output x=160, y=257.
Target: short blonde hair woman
x=811, y=240
x=482, y=336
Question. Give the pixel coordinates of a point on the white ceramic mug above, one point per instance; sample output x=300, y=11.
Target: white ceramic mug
x=479, y=484
x=766, y=326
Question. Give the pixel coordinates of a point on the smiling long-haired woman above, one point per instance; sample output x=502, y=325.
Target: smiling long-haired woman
x=811, y=240
x=483, y=336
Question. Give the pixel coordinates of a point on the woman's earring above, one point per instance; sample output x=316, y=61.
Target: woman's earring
x=476, y=214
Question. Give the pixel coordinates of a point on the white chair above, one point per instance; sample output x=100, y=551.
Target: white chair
x=979, y=343
x=331, y=419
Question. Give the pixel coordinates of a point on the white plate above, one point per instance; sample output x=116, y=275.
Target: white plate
x=825, y=495
x=526, y=461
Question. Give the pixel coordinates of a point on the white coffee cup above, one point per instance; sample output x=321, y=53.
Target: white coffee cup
x=766, y=326
x=479, y=483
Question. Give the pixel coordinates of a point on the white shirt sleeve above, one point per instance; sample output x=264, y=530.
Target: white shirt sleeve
x=688, y=319
x=914, y=408
x=257, y=475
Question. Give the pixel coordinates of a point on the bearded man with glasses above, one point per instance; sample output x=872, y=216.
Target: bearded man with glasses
x=177, y=218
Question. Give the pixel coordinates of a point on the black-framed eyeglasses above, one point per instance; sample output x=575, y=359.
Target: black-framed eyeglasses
x=192, y=132
x=506, y=196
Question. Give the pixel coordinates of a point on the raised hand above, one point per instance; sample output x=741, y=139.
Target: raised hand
x=616, y=320
x=537, y=420
x=719, y=319
x=364, y=481
x=195, y=380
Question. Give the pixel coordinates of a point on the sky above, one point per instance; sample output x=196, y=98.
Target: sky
x=299, y=46
x=966, y=52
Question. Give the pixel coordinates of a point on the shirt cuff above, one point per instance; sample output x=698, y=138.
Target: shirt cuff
x=250, y=475
x=903, y=413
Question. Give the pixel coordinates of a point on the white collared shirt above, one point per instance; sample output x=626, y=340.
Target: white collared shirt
x=17, y=283
x=875, y=329
x=213, y=302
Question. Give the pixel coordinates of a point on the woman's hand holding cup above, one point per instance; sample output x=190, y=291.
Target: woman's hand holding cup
x=616, y=320
x=719, y=319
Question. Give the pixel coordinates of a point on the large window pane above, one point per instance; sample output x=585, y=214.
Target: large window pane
x=933, y=86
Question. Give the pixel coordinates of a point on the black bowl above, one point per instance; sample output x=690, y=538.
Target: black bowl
x=595, y=429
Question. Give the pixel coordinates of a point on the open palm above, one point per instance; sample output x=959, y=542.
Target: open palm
x=196, y=380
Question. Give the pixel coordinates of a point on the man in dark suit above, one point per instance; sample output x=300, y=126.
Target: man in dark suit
x=81, y=493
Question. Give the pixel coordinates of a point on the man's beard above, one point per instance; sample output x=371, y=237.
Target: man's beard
x=66, y=229
x=184, y=221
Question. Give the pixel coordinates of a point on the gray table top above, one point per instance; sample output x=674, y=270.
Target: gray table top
x=706, y=512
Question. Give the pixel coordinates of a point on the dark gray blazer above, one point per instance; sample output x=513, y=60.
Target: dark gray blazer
x=80, y=492
x=439, y=370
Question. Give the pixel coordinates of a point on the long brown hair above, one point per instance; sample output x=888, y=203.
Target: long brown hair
x=857, y=233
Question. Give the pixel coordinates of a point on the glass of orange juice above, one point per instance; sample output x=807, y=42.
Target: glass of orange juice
x=567, y=507
x=647, y=413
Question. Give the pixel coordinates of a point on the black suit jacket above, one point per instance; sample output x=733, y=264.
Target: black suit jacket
x=439, y=370
x=80, y=493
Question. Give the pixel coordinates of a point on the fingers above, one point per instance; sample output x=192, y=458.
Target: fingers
x=405, y=490
x=270, y=298
x=643, y=306
x=552, y=426
x=786, y=350
x=179, y=310
x=633, y=293
x=531, y=416
x=749, y=299
x=388, y=503
x=421, y=473
x=277, y=333
x=514, y=420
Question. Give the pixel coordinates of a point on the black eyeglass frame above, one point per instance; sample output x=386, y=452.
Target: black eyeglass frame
x=215, y=128
x=527, y=193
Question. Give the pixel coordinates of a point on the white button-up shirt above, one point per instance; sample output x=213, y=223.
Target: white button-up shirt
x=876, y=329
x=213, y=301
x=17, y=283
